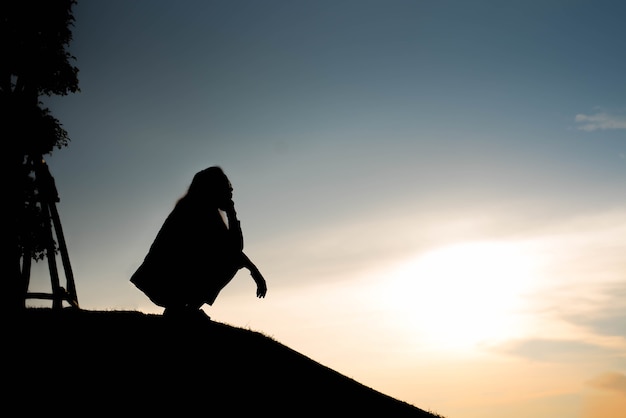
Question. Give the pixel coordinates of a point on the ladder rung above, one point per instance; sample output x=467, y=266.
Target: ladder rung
x=64, y=296
x=35, y=295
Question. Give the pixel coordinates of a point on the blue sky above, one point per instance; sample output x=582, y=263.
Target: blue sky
x=373, y=146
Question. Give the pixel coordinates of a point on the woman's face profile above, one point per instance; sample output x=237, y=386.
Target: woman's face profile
x=225, y=194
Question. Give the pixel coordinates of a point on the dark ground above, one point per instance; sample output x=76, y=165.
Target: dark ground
x=88, y=363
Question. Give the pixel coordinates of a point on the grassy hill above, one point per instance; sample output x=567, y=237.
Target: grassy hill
x=126, y=362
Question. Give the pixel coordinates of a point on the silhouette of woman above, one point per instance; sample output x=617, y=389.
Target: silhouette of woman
x=198, y=250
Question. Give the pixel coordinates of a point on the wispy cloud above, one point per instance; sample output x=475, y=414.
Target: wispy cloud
x=600, y=121
x=555, y=351
x=609, y=381
x=608, y=315
x=577, y=303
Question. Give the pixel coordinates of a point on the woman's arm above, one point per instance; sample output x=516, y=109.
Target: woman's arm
x=235, y=229
x=261, y=286
x=234, y=226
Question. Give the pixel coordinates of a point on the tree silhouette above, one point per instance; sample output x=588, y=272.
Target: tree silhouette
x=34, y=36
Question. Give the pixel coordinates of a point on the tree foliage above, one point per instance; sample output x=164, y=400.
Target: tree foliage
x=35, y=35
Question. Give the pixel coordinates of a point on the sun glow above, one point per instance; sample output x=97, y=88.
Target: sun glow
x=462, y=295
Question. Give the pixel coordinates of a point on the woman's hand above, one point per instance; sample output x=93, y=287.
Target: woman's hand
x=228, y=206
x=261, y=291
x=261, y=287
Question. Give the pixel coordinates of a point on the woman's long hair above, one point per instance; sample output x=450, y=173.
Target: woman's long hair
x=207, y=185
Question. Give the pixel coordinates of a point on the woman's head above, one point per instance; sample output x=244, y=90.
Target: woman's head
x=211, y=184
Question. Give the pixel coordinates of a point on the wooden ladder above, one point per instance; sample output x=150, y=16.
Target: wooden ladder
x=48, y=198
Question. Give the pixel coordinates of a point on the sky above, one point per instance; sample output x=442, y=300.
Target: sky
x=433, y=190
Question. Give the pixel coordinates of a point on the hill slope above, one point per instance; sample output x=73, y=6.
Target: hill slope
x=125, y=362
